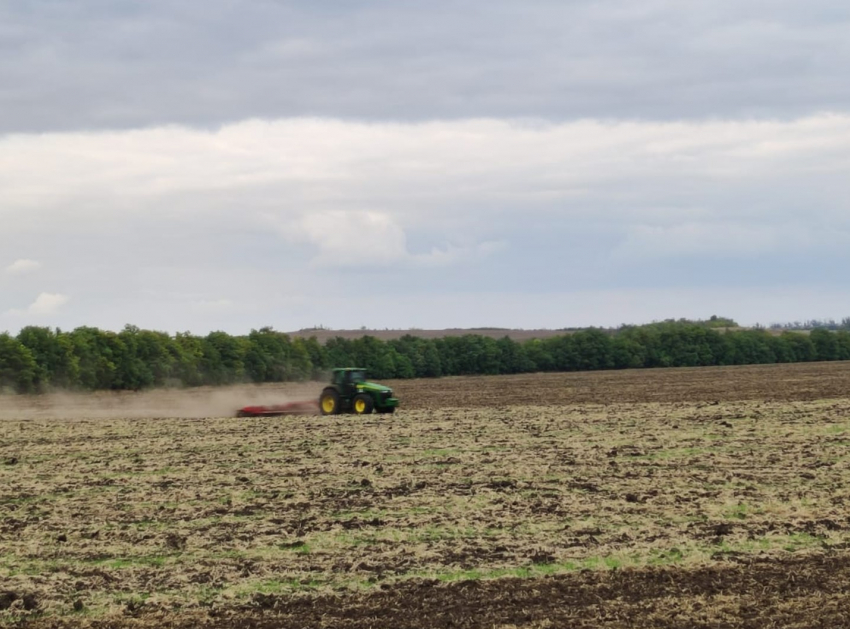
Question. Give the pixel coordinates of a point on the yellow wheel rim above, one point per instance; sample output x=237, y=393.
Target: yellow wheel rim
x=360, y=406
x=328, y=404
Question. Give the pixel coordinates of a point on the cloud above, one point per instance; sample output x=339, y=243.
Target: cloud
x=47, y=303
x=22, y=266
x=44, y=304
x=654, y=60
x=355, y=185
x=141, y=225
x=354, y=238
x=357, y=239
x=279, y=152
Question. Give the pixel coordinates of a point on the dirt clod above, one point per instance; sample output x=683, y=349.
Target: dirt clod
x=7, y=598
x=294, y=544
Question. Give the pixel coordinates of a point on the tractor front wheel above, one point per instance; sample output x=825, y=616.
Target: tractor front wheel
x=363, y=404
x=329, y=402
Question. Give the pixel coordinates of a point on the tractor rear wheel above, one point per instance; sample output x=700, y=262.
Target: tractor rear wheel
x=363, y=404
x=329, y=402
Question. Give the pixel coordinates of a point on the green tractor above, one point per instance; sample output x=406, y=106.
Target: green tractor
x=349, y=392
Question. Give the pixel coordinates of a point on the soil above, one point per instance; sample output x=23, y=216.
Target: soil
x=794, y=382
x=668, y=498
x=807, y=592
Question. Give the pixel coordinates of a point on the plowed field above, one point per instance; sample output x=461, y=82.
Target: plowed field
x=676, y=498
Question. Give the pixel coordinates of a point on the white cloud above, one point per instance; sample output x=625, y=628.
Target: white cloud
x=47, y=303
x=414, y=173
x=373, y=239
x=23, y=266
x=328, y=179
x=275, y=213
x=354, y=238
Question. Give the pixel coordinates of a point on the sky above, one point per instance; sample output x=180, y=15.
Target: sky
x=224, y=165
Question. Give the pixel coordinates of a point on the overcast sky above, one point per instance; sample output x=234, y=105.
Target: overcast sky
x=202, y=165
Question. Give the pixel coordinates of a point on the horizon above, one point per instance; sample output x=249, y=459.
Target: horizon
x=803, y=324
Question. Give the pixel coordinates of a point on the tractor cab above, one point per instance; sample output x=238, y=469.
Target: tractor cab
x=348, y=379
x=350, y=392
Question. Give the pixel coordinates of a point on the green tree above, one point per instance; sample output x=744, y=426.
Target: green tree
x=53, y=352
x=801, y=345
x=431, y=365
x=269, y=356
x=224, y=358
x=97, y=353
x=300, y=362
x=842, y=340
x=627, y=353
x=317, y=354
x=782, y=349
x=18, y=369
x=592, y=349
x=147, y=359
x=340, y=353
x=825, y=343
x=538, y=354
x=189, y=359
x=513, y=357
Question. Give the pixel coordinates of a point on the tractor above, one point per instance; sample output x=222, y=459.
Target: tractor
x=349, y=392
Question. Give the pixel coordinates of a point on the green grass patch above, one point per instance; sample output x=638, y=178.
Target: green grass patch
x=802, y=541
x=738, y=512
x=119, y=563
x=441, y=452
x=299, y=547
x=837, y=429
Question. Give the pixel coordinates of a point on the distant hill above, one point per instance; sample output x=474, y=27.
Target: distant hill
x=323, y=334
x=387, y=335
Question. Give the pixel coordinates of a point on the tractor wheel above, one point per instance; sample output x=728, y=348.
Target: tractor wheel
x=363, y=404
x=329, y=402
x=387, y=410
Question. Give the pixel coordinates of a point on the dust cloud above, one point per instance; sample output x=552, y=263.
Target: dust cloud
x=171, y=403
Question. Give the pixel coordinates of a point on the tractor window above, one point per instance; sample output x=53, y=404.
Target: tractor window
x=339, y=377
x=358, y=376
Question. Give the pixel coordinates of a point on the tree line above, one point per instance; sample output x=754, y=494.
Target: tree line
x=813, y=324
x=42, y=359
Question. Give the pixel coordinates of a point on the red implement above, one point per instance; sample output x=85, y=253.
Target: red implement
x=293, y=408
